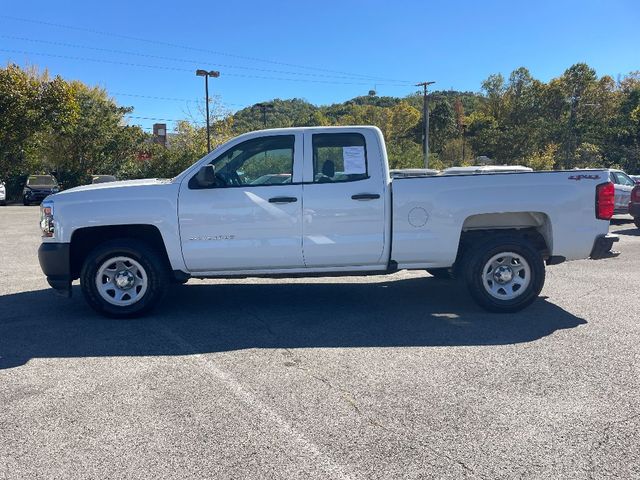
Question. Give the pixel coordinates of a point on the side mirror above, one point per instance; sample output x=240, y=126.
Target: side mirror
x=206, y=176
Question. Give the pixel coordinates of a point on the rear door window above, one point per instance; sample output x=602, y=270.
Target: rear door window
x=339, y=157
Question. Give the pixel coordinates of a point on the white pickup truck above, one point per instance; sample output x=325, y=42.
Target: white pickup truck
x=320, y=201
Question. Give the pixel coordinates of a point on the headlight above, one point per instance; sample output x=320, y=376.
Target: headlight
x=55, y=190
x=46, y=219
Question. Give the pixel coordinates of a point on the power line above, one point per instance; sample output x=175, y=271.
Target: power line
x=153, y=118
x=84, y=59
x=171, y=99
x=153, y=97
x=172, y=59
x=177, y=69
x=136, y=117
x=187, y=47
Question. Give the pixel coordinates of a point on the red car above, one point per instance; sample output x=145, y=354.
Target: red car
x=634, y=205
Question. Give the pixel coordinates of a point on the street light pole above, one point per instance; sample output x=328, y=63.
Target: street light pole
x=425, y=121
x=206, y=74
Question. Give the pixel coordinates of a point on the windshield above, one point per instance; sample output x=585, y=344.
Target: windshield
x=44, y=180
x=103, y=178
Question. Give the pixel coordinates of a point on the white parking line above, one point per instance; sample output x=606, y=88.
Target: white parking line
x=324, y=461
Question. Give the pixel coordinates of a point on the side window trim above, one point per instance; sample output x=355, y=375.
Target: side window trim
x=296, y=146
x=312, y=156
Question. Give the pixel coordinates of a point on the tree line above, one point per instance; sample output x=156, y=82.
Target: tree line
x=52, y=125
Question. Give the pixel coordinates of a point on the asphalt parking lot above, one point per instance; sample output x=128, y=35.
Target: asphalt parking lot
x=397, y=376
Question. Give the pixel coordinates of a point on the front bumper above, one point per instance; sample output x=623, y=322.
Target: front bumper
x=55, y=263
x=37, y=195
x=602, y=247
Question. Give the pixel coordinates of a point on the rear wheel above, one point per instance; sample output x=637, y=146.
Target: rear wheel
x=123, y=278
x=440, y=273
x=504, y=274
x=636, y=220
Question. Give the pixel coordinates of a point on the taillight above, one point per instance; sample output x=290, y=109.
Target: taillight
x=605, y=201
x=635, y=194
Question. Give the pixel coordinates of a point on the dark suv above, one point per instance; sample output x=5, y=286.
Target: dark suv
x=38, y=187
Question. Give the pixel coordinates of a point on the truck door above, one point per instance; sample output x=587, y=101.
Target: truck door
x=344, y=200
x=252, y=217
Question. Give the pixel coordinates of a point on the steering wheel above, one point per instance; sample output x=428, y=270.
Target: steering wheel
x=234, y=178
x=221, y=179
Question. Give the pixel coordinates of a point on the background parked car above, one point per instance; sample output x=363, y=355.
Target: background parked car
x=38, y=187
x=3, y=194
x=634, y=205
x=103, y=178
x=623, y=184
x=636, y=178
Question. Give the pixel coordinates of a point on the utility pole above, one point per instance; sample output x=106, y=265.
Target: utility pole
x=206, y=74
x=425, y=121
x=264, y=107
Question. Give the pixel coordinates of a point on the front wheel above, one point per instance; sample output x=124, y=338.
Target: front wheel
x=123, y=278
x=504, y=274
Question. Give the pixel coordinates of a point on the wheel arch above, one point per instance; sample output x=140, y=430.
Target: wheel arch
x=519, y=223
x=84, y=240
x=534, y=227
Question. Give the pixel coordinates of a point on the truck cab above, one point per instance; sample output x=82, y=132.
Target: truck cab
x=331, y=211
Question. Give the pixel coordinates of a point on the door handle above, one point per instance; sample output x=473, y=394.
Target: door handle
x=283, y=200
x=365, y=196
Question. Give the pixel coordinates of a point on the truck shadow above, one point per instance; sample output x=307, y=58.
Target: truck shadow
x=201, y=318
x=634, y=232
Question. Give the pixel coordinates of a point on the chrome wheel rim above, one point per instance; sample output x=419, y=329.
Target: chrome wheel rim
x=506, y=276
x=121, y=281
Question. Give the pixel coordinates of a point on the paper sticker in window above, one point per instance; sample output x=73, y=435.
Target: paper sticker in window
x=354, y=160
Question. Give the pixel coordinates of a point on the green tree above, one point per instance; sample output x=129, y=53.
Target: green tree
x=442, y=125
x=97, y=142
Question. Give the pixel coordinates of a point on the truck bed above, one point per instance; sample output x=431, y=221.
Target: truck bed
x=430, y=212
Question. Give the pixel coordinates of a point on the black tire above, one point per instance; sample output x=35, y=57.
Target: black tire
x=157, y=277
x=636, y=220
x=441, y=273
x=474, y=273
x=25, y=202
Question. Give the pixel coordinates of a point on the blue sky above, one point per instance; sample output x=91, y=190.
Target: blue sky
x=373, y=44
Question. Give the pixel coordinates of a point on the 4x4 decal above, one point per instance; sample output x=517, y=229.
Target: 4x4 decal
x=585, y=177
